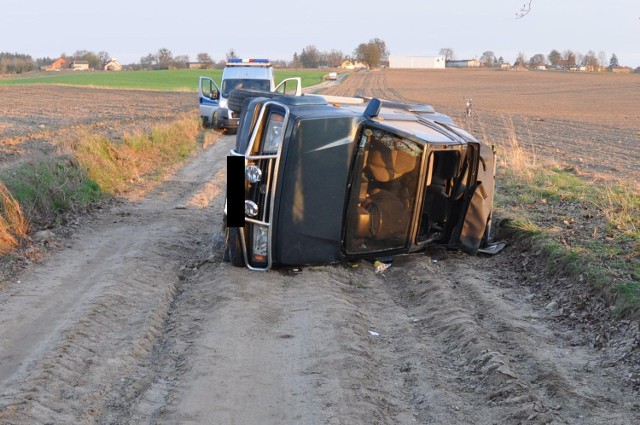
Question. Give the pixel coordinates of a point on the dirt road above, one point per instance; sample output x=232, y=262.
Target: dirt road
x=137, y=320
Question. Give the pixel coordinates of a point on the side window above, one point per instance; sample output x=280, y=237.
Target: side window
x=383, y=195
x=209, y=89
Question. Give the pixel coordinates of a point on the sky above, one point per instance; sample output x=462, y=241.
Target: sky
x=131, y=29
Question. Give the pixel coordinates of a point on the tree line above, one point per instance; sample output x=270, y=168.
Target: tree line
x=555, y=58
x=372, y=54
x=17, y=63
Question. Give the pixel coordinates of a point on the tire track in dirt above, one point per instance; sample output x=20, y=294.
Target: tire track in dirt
x=114, y=289
x=501, y=353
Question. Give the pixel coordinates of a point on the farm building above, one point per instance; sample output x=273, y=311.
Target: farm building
x=113, y=65
x=353, y=65
x=422, y=62
x=200, y=65
x=80, y=65
x=55, y=66
x=463, y=63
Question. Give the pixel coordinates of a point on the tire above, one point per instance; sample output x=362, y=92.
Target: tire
x=238, y=96
x=215, y=124
x=233, y=250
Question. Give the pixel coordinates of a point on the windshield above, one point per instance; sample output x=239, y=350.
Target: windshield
x=384, y=192
x=244, y=83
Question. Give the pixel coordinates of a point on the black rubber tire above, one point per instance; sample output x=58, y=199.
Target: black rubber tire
x=215, y=124
x=238, y=96
x=233, y=250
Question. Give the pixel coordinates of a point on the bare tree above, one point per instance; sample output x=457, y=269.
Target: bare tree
x=524, y=11
x=104, y=58
x=488, y=58
x=149, y=61
x=521, y=61
x=554, y=57
x=231, y=54
x=537, y=60
x=333, y=58
x=602, y=58
x=448, y=54
x=181, y=61
x=569, y=58
x=310, y=57
x=372, y=53
x=590, y=61
x=165, y=58
x=205, y=60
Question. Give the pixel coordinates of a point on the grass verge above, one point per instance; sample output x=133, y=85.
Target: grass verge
x=585, y=229
x=40, y=194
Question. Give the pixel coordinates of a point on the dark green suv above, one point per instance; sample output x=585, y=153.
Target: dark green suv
x=319, y=179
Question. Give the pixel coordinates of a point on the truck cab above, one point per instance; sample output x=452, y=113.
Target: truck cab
x=250, y=74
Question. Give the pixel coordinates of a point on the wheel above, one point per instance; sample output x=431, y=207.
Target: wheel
x=238, y=96
x=215, y=123
x=233, y=250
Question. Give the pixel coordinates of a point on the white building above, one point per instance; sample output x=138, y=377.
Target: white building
x=422, y=62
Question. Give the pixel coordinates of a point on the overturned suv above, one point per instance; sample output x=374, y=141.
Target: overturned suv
x=320, y=179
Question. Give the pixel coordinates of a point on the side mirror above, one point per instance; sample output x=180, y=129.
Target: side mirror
x=215, y=94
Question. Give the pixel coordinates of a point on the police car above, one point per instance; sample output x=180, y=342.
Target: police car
x=251, y=74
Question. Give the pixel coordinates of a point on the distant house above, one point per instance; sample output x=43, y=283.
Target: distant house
x=55, y=66
x=621, y=70
x=80, y=65
x=200, y=65
x=505, y=66
x=353, y=65
x=463, y=63
x=413, y=62
x=113, y=65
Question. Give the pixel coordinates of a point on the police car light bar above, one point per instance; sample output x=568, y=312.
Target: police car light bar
x=238, y=60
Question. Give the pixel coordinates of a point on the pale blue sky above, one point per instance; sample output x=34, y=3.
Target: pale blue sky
x=131, y=29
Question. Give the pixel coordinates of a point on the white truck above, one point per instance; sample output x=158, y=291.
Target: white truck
x=252, y=74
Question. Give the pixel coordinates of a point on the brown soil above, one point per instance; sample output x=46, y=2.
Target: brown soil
x=134, y=319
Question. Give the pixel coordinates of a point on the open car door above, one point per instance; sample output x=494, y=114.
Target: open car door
x=209, y=94
x=291, y=86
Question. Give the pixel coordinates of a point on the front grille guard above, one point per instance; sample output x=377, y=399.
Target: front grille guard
x=273, y=167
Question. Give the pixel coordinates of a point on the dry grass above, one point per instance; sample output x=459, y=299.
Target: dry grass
x=116, y=167
x=42, y=191
x=13, y=225
x=586, y=230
